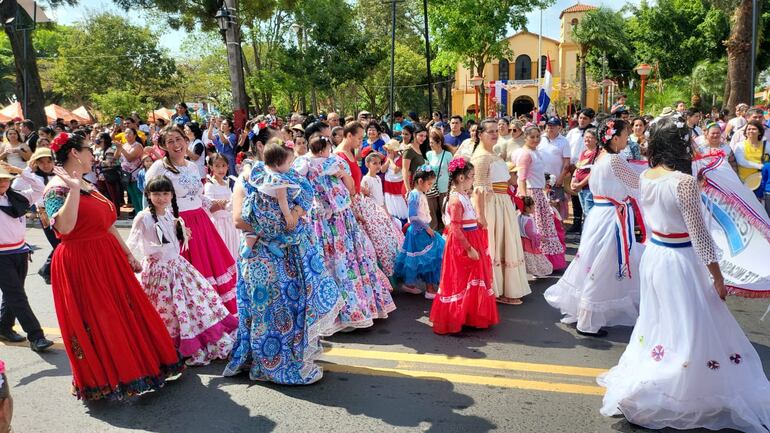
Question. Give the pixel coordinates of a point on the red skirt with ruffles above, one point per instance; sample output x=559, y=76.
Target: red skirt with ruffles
x=466, y=295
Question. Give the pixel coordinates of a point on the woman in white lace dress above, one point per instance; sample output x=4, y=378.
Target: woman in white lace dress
x=601, y=285
x=688, y=364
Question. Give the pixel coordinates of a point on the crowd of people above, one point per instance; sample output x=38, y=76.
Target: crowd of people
x=251, y=245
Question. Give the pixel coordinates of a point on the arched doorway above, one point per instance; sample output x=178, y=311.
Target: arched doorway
x=522, y=105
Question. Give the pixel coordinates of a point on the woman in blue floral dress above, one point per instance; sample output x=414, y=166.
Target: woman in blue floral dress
x=348, y=252
x=286, y=300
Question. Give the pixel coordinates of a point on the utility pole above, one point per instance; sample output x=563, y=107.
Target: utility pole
x=227, y=19
x=753, y=69
x=392, y=57
x=427, y=59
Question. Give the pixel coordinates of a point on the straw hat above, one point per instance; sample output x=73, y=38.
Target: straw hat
x=4, y=174
x=392, y=145
x=41, y=152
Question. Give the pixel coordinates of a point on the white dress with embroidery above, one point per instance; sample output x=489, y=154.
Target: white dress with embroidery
x=688, y=364
x=223, y=218
x=600, y=287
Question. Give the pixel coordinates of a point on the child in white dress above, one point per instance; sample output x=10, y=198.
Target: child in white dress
x=217, y=189
x=393, y=186
x=386, y=236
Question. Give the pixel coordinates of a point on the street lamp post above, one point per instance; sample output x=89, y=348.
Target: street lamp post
x=644, y=71
x=227, y=20
x=476, y=81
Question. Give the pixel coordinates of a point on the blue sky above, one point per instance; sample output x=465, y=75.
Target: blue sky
x=173, y=39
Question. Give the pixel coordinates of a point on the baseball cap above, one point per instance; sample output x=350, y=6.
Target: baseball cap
x=553, y=121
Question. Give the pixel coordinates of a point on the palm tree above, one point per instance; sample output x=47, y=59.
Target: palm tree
x=600, y=29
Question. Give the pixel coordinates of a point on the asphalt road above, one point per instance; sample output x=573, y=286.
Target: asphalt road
x=528, y=374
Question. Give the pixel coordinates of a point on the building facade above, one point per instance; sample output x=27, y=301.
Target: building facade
x=512, y=85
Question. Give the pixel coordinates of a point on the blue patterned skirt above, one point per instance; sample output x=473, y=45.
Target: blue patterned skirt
x=285, y=304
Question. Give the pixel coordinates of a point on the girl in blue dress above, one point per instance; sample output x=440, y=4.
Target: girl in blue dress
x=423, y=249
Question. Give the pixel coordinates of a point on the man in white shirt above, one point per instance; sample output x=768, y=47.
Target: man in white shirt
x=575, y=135
x=14, y=259
x=556, y=154
x=576, y=144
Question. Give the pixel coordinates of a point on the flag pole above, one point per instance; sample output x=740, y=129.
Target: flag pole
x=539, y=65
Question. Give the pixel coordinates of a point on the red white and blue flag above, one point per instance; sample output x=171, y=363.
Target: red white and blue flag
x=498, y=94
x=544, y=99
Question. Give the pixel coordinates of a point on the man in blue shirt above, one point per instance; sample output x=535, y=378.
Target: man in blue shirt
x=398, y=123
x=456, y=134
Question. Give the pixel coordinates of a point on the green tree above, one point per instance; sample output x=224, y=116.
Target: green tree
x=601, y=30
x=19, y=29
x=475, y=31
x=115, y=102
x=676, y=34
x=118, y=56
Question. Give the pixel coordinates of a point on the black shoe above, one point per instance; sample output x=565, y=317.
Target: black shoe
x=45, y=275
x=40, y=345
x=12, y=337
x=599, y=334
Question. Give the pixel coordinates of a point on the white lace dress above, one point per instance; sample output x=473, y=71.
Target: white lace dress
x=601, y=285
x=688, y=364
x=223, y=218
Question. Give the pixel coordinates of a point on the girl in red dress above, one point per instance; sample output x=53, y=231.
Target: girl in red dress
x=117, y=344
x=466, y=295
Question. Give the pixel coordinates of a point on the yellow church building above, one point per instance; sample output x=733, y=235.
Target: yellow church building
x=517, y=79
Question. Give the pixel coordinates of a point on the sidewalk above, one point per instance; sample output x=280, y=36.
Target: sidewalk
x=125, y=220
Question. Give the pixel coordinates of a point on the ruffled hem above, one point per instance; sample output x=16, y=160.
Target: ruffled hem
x=748, y=411
x=310, y=372
x=537, y=264
x=135, y=387
x=190, y=346
x=591, y=316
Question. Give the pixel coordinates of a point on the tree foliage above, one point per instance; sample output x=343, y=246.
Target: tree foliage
x=600, y=32
x=106, y=53
x=677, y=34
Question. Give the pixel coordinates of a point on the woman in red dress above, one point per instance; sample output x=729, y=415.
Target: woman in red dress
x=116, y=343
x=354, y=134
x=466, y=296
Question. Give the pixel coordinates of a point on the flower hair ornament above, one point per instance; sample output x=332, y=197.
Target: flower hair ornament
x=59, y=141
x=456, y=164
x=609, y=131
x=425, y=167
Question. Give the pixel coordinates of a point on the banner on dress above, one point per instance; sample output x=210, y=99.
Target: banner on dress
x=739, y=225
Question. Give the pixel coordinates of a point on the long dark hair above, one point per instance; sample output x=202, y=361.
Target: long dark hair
x=669, y=143
x=164, y=184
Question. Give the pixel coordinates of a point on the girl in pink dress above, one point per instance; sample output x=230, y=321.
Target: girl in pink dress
x=207, y=251
x=536, y=262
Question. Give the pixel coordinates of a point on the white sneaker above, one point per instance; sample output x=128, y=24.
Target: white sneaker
x=429, y=295
x=411, y=289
